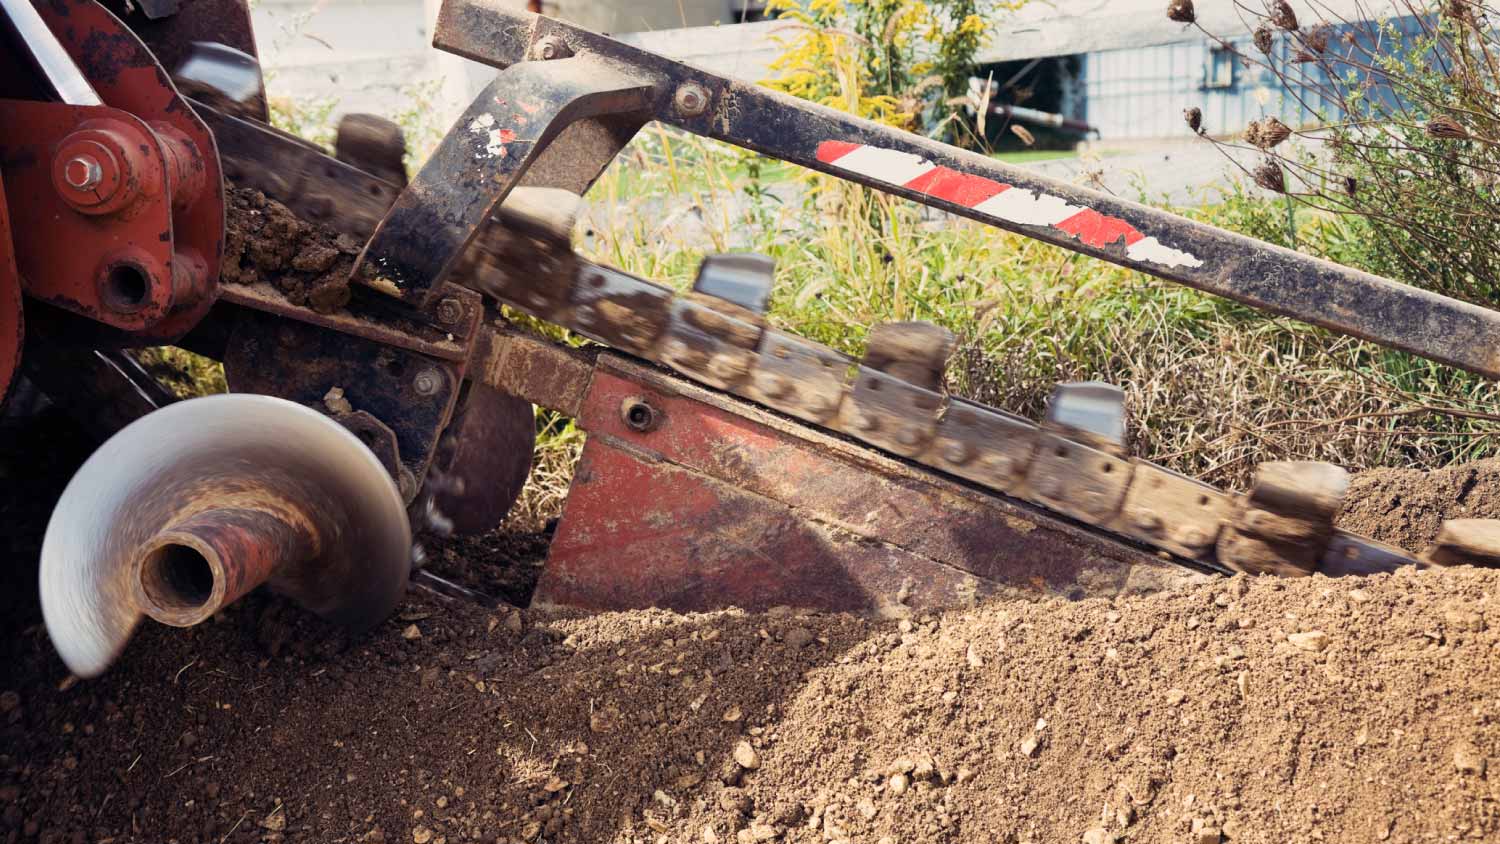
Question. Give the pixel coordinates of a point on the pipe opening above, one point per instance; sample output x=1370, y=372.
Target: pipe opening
x=177, y=578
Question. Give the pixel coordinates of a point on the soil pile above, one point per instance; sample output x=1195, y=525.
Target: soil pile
x=1406, y=507
x=1248, y=710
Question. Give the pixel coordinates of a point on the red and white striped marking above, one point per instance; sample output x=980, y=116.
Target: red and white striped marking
x=1000, y=201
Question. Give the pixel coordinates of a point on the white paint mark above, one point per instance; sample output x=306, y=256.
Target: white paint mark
x=886, y=165
x=1156, y=252
x=1019, y=205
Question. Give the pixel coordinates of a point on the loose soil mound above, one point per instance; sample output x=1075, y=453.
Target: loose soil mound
x=1407, y=506
x=1268, y=711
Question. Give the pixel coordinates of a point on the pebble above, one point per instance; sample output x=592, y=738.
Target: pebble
x=411, y=632
x=1467, y=759
x=965, y=774
x=1099, y=835
x=973, y=657
x=732, y=714
x=1208, y=835
x=1030, y=746
x=866, y=808
x=1312, y=640
x=899, y=783
x=1359, y=596
x=745, y=756
x=798, y=637
x=421, y=835
x=276, y=821
x=1175, y=697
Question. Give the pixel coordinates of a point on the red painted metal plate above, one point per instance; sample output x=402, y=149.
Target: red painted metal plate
x=723, y=504
x=867, y=494
x=640, y=532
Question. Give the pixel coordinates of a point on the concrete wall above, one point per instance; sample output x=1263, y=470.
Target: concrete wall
x=376, y=55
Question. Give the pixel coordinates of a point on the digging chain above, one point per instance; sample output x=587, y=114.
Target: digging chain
x=1074, y=462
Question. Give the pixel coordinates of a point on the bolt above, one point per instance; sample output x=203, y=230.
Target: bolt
x=772, y=384
x=639, y=415
x=551, y=47
x=428, y=382
x=866, y=422
x=584, y=315
x=1147, y=521
x=449, y=310
x=1192, y=537
x=691, y=99
x=998, y=463
x=83, y=173
x=909, y=437
x=956, y=453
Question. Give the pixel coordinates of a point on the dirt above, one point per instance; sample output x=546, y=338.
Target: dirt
x=1406, y=507
x=1245, y=710
x=265, y=241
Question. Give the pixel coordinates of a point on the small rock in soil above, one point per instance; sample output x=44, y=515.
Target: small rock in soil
x=1312, y=640
x=1467, y=759
x=745, y=756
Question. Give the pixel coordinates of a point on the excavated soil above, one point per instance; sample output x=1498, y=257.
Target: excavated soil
x=264, y=241
x=1244, y=710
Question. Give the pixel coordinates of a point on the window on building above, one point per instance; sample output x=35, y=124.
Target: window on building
x=748, y=11
x=1218, y=72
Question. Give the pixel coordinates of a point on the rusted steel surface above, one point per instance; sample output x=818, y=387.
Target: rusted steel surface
x=544, y=373
x=845, y=489
x=12, y=318
x=483, y=458
x=126, y=76
x=200, y=564
x=638, y=531
x=104, y=251
x=171, y=30
x=477, y=164
x=927, y=171
x=412, y=393
x=368, y=321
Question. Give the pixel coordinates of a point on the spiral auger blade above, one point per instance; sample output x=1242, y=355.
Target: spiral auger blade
x=196, y=504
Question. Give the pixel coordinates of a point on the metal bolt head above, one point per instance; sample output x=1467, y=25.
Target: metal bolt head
x=1146, y=520
x=449, y=310
x=427, y=382
x=551, y=47
x=909, y=436
x=865, y=422
x=772, y=384
x=1192, y=537
x=691, y=99
x=956, y=453
x=83, y=173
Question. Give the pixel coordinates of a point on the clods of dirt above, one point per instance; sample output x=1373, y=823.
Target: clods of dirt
x=265, y=241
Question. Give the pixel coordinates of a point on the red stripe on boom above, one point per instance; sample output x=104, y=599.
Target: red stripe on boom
x=831, y=151
x=960, y=188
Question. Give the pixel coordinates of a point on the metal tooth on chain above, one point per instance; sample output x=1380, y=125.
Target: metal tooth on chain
x=897, y=397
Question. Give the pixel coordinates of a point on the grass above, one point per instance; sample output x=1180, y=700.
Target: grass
x=1030, y=156
x=1214, y=388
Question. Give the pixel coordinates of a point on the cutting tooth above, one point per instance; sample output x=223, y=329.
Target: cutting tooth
x=1090, y=411
x=914, y=352
x=741, y=278
x=373, y=144
x=1466, y=542
x=896, y=398
x=1285, y=524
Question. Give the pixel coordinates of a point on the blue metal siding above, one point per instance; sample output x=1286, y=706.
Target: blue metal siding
x=1141, y=92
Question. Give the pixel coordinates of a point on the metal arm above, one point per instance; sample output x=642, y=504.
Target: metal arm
x=1126, y=233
